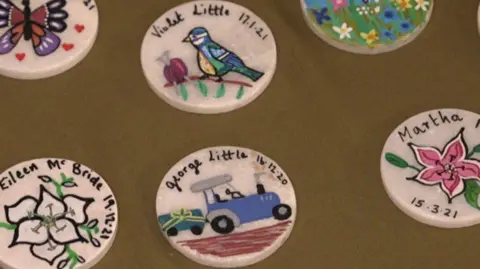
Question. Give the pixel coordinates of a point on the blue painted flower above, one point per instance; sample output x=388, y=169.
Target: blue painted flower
x=388, y=35
x=405, y=26
x=389, y=15
x=321, y=15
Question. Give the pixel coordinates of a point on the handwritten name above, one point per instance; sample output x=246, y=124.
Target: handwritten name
x=433, y=120
x=14, y=176
x=159, y=31
x=174, y=183
x=211, y=10
x=226, y=155
x=88, y=174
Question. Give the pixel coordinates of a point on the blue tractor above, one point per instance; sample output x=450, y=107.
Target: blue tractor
x=226, y=214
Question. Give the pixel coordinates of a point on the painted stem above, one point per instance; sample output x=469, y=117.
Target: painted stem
x=470, y=154
x=72, y=256
x=194, y=78
x=7, y=226
x=414, y=168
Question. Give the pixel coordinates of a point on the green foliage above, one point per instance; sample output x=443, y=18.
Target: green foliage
x=202, y=87
x=220, y=91
x=396, y=160
x=183, y=92
x=472, y=190
x=241, y=92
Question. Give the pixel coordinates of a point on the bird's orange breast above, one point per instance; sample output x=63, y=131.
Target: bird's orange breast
x=205, y=65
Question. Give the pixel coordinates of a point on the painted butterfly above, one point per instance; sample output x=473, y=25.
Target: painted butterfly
x=37, y=25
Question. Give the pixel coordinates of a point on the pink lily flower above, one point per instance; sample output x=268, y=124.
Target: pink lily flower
x=339, y=4
x=448, y=168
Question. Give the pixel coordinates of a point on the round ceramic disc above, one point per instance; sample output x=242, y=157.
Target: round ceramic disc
x=56, y=36
x=430, y=167
x=208, y=56
x=226, y=206
x=367, y=26
x=478, y=18
x=56, y=214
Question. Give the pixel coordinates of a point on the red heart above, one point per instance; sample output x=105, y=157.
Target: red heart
x=79, y=27
x=67, y=46
x=20, y=56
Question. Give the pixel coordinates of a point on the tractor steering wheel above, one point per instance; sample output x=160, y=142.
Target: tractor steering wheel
x=234, y=194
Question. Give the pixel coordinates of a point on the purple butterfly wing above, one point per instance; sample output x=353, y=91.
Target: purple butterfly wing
x=48, y=44
x=6, y=44
x=5, y=12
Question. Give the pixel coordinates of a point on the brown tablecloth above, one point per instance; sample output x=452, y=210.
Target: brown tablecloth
x=324, y=119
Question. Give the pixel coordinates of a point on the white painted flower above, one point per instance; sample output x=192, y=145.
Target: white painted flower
x=377, y=9
x=422, y=4
x=48, y=223
x=343, y=31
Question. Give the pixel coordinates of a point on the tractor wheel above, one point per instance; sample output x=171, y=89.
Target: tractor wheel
x=281, y=212
x=172, y=231
x=196, y=230
x=222, y=224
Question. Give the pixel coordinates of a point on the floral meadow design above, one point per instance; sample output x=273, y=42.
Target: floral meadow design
x=368, y=23
x=453, y=169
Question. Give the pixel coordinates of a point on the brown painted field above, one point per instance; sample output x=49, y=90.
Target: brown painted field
x=238, y=243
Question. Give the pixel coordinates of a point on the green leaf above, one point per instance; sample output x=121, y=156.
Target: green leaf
x=220, y=91
x=183, y=92
x=203, y=88
x=240, y=92
x=395, y=160
x=472, y=190
x=476, y=149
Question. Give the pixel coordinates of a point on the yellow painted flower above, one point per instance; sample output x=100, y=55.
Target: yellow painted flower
x=404, y=4
x=370, y=37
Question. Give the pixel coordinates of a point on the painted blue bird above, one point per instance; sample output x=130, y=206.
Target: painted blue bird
x=216, y=61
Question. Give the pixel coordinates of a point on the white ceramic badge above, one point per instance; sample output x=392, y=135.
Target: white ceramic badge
x=209, y=56
x=56, y=214
x=367, y=26
x=478, y=19
x=431, y=170
x=226, y=206
x=43, y=38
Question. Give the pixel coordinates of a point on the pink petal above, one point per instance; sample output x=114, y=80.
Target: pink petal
x=426, y=156
x=430, y=175
x=468, y=169
x=453, y=187
x=455, y=150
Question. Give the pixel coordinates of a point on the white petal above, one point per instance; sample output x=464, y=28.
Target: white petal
x=46, y=201
x=344, y=25
x=336, y=29
x=65, y=232
x=348, y=35
x=30, y=232
x=48, y=252
x=20, y=209
x=77, y=208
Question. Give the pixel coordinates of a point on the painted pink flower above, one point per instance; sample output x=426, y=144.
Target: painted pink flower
x=339, y=4
x=448, y=168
